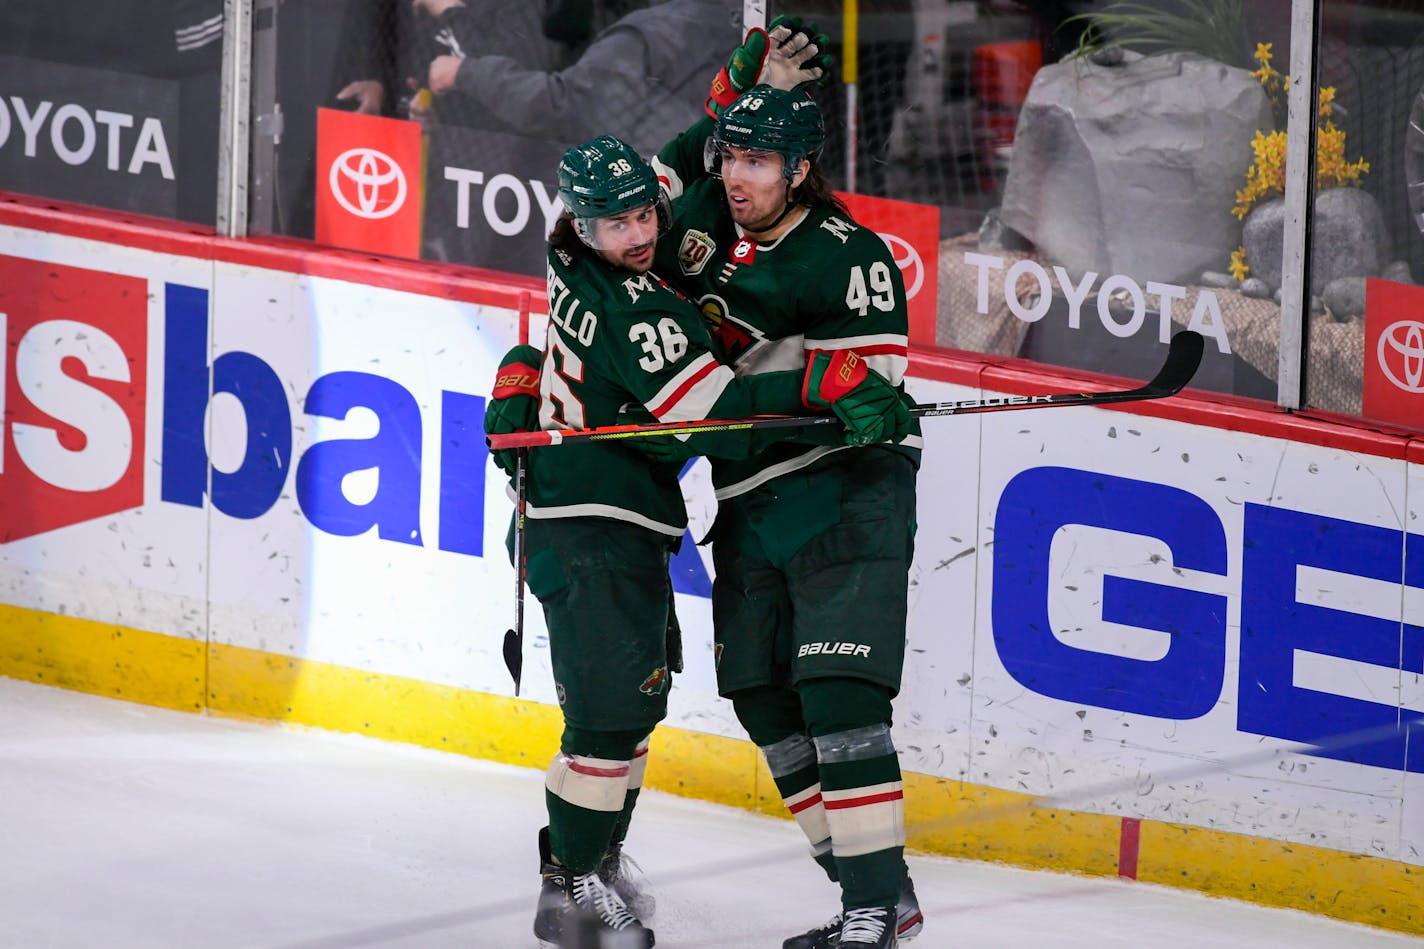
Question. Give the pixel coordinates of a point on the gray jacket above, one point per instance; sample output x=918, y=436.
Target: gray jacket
x=643, y=79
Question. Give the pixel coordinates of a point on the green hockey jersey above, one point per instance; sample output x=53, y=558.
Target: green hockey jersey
x=827, y=283
x=619, y=340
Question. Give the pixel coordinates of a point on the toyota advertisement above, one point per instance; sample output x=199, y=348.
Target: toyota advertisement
x=490, y=200
x=89, y=135
x=1394, y=353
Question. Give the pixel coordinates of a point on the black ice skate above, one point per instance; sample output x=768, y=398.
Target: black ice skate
x=622, y=873
x=872, y=928
x=908, y=923
x=577, y=911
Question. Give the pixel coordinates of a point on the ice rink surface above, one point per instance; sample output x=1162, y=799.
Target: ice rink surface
x=123, y=825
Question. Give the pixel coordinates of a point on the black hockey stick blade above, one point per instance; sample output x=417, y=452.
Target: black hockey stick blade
x=514, y=655
x=1184, y=355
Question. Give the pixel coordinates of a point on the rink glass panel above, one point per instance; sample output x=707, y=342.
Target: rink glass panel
x=112, y=103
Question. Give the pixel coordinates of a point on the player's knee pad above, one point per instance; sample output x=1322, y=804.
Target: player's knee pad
x=768, y=713
x=841, y=704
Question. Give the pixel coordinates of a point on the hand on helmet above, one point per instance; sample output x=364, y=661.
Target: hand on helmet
x=796, y=55
x=788, y=56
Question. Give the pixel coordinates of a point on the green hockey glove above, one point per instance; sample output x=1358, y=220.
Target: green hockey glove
x=869, y=406
x=740, y=73
x=748, y=62
x=798, y=54
x=514, y=400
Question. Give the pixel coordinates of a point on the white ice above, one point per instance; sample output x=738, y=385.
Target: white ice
x=123, y=825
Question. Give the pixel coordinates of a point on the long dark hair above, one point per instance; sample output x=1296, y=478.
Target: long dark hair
x=563, y=237
x=816, y=189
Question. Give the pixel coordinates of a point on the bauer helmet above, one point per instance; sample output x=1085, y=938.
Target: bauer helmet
x=603, y=177
x=771, y=120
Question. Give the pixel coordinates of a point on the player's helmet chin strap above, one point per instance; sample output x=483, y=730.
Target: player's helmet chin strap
x=789, y=206
x=790, y=201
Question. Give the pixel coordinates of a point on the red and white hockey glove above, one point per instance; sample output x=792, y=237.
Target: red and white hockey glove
x=514, y=400
x=871, y=409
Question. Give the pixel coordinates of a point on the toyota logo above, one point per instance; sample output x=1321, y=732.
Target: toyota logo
x=912, y=267
x=362, y=181
x=1401, y=354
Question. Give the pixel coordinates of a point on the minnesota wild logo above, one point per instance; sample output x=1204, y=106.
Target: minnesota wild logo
x=656, y=683
x=732, y=337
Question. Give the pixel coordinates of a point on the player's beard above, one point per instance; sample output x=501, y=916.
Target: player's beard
x=638, y=259
x=761, y=210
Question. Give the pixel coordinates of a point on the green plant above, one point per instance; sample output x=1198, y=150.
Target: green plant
x=1213, y=28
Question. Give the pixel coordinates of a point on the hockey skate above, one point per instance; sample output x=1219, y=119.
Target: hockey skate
x=577, y=911
x=872, y=928
x=908, y=923
x=622, y=873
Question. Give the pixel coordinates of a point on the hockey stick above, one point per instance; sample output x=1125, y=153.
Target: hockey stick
x=514, y=638
x=1183, y=357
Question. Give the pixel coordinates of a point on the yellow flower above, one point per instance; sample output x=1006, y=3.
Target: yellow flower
x=1267, y=175
x=1263, y=53
x=1327, y=100
x=1239, y=269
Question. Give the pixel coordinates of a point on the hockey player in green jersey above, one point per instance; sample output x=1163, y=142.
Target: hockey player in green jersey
x=812, y=545
x=602, y=518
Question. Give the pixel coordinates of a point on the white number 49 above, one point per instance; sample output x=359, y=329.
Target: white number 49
x=880, y=294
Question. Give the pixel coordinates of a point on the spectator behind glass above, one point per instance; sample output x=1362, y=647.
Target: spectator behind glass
x=452, y=30
x=642, y=79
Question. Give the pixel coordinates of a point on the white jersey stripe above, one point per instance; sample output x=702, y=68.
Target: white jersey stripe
x=692, y=391
x=594, y=509
x=859, y=342
x=886, y=353
x=668, y=179
x=776, y=471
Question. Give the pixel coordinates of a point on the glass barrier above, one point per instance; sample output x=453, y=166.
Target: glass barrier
x=433, y=129
x=1087, y=161
x=1365, y=354
x=113, y=103
x=1066, y=181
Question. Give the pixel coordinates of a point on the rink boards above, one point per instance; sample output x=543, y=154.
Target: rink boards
x=250, y=478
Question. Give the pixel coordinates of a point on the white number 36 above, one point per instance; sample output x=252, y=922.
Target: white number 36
x=661, y=348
